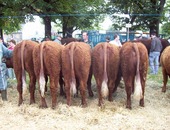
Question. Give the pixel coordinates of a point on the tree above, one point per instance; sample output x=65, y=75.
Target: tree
x=73, y=14
x=142, y=14
x=10, y=17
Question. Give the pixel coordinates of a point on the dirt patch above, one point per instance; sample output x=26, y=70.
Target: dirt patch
x=154, y=116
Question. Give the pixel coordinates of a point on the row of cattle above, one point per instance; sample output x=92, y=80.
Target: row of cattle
x=76, y=62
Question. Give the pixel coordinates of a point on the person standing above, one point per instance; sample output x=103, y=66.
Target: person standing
x=58, y=39
x=4, y=52
x=156, y=47
x=107, y=39
x=11, y=45
x=116, y=41
x=86, y=39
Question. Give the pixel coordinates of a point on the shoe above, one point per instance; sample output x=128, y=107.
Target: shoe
x=4, y=95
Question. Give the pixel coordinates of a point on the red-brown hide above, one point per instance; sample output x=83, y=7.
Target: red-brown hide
x=47, y=62
x=134, y=63
x=76, y=61
x=165, y=62
x=65, y=41
x=105, y=69
x=25, y=55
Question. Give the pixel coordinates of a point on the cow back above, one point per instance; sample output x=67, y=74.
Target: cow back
x=65, y=41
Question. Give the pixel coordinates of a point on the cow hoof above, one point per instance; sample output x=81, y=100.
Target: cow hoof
x=163, y=90
x=102, y=107
x=91, y=94
x=84, y=105
x=43, y=106
x=53, y=107
x=129, y=107
x=32, y=102
x=20, y=102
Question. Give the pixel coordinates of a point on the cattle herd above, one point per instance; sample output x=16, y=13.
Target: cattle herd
x=72, y=66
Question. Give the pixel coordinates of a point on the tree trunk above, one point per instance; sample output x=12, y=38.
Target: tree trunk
x=67, y=29
x=1, y=33
x=47, y=23
x=154, y=26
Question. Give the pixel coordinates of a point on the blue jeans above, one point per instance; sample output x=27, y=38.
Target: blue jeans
x=154, y=62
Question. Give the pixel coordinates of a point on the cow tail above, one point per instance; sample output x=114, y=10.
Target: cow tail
x=24, y=85
x=104, y=88
x=138, y=87
x=73, y=81
x=42, y=78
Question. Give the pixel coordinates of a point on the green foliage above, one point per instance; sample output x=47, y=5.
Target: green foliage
x=142, y=13
x=166, y=29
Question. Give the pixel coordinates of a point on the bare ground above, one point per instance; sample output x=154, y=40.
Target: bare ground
x=154, y=116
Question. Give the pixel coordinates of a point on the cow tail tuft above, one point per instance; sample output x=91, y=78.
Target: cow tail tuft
x=138, y=87
x=42, y=78
x=24, y=85
x=104, y=88
x=73, y=80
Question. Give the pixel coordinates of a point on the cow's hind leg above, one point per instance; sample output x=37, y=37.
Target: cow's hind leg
x=141, y=102
x=111, y=86
x=68, y=94
x=19, y=88
x=100, y=103
x=89, y=83
x=165, y=79
x=53, y=88
x=43, y=102
x=128, y=87
x=83, y=93
x=32, y=88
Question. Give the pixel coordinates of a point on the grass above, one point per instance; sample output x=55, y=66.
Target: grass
x=158, y=78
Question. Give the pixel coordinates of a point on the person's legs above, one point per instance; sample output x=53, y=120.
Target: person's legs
x=157, y=62
x=151, y=60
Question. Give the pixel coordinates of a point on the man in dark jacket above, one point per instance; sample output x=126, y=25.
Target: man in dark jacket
x=155, y=50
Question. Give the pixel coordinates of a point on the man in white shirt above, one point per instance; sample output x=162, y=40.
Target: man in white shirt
x=116, y=41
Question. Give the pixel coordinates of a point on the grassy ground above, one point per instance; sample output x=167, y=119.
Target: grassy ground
x=157, y=78
x=154, y=116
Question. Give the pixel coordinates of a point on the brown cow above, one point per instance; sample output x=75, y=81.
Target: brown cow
x=105, y=69
x=65, y=41
x=76, y=61
x=23, y=61
x=165, y=62
x=147, y=43
x=47, y=62
x=134, y=66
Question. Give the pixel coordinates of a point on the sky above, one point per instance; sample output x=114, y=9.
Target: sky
x=33, y=29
